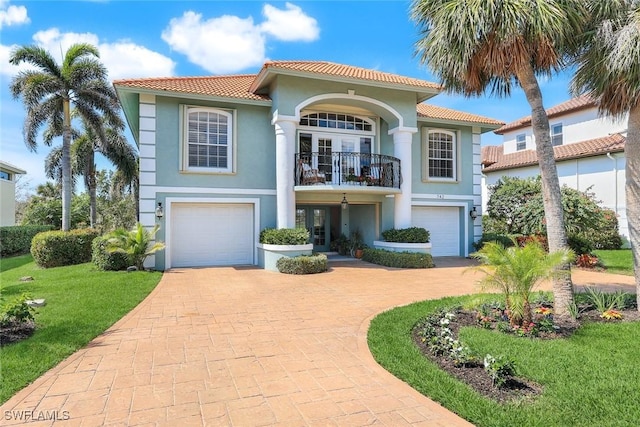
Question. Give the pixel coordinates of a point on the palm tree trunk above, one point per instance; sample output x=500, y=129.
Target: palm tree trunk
x=551, y=195
x=66, y=167
x=632, y=189
x=91, y=187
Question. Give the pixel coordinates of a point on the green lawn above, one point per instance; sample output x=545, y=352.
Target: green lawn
x=590, y=379
x=82, y=302
x=616, y=261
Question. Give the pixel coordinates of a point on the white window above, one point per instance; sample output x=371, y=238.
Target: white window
x=441, y=149
x=556, y=134
x=521, y=142
x=208, y=140
x=337, y=121
x=5, y=175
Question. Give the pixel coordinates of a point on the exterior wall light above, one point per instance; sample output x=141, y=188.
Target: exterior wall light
x=159, y=211
x=344, y=202
x=473, y=213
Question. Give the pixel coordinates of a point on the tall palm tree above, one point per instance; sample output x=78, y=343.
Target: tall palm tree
x=50, y=92
x=608, y=69
x=114, y=147
x=479, y=45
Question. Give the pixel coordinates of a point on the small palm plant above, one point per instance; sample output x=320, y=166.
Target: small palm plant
x=138, y=243
x=515, y=271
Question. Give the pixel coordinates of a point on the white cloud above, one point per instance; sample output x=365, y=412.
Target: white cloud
x=12, y=15
x=289, y=25
x=219, y=45
x=123, y=59
x=229, y=44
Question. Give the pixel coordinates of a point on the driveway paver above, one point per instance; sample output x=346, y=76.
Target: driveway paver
x=248, y=347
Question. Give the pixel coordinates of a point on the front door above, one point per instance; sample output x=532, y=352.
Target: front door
x=316, y=220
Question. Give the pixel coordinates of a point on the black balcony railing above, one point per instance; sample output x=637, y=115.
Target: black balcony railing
x=347, y=169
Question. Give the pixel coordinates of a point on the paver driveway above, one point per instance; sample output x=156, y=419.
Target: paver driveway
x=247, y=347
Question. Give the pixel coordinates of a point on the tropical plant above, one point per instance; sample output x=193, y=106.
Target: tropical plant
x=138, y=243
x=51, y=90
x=115, y=148
x=480, y=45
x=608, y=69
x=515, y=271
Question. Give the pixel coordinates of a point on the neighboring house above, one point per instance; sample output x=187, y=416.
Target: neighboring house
x=8, y=175
x=228, y=156
x=589, y=152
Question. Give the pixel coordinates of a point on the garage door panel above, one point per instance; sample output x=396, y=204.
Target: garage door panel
x=443, y=224
x=210, y=234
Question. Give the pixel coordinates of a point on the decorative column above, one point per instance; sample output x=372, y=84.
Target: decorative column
x=402, y=150
x=285, y=158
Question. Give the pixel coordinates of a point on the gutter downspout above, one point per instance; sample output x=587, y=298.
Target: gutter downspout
x=615, y=180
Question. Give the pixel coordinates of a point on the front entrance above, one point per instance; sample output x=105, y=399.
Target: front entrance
x=317, y=220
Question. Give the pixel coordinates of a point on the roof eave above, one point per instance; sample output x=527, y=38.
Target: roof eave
x=486, y=127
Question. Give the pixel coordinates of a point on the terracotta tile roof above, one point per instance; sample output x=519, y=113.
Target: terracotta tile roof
x=491, y=154
x=592, y=147
x=574, y=104
x=433, y=111
x=236, y=86
x=345, y=71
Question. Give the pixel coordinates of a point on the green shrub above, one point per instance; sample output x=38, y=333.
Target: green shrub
x=503, y=239
x=406, y=235
x=397, y=259
x=579, y=244
x=284, y=236
x=303, y=264
x=136, y=244
x=605, y=235
x=105, y=260
x=16, y=239
x=58, y=248
x=16, y=311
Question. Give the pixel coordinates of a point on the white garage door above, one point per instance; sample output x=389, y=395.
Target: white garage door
x=209, y=234
x=443, y=224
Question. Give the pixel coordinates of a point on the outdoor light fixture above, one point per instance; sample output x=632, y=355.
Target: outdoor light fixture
x=473, y=213
x=344, y=202
x=159, y=211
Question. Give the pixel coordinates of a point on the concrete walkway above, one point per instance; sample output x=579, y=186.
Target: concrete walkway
x=247, y=347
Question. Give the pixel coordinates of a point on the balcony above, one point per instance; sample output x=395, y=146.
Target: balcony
x=352, y=169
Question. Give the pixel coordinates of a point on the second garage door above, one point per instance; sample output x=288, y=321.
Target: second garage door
x=211, y=234
x=443, y=224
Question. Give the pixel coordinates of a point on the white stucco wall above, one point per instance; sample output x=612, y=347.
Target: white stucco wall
x=576, y=127
x=7, y=202
x=602, y=175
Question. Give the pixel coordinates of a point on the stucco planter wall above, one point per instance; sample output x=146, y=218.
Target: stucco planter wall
x=424, y=248
x=268, y=255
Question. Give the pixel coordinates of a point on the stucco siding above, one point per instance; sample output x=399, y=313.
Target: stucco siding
x=7, y=202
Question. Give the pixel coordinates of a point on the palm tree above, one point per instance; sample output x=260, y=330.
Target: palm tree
x=475, y=46
x=50, y=91
x=608, y=69
x=115, y=148
x=137, y=243
x=516, y=271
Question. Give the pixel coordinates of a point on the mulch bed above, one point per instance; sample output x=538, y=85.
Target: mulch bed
x=515, y=389
x=16, y=331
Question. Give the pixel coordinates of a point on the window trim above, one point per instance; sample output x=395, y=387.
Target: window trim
x=455, y=134
x=561, y=134
x=369, y=120
x=524, y=142
x=231, y=138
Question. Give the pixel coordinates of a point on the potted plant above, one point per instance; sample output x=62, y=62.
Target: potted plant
x=357, y=244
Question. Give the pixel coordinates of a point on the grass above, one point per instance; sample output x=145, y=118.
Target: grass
x=616, y=261
x=588, y=379
x=82, y=302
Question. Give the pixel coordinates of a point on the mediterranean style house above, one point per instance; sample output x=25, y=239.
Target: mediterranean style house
x=329, y=147
x=8, y=174
x=589, y=152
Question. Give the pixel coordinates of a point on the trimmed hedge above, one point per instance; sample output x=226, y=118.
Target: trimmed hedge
x=105, y=260
x=303, y=264
x=58, y=248
x=284, y=236
x=505, y=240
x=16, y=239
x=406, y=235
x=398, y=259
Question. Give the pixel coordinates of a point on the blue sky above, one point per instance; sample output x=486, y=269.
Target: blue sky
x=194, y=38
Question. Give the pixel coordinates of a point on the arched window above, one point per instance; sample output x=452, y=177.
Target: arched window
x=337, y=121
